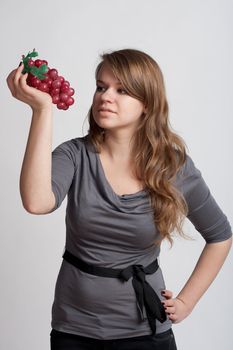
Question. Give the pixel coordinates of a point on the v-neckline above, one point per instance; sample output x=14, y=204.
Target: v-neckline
x=120, y=196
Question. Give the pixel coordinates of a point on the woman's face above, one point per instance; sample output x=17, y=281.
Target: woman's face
x=112, y=107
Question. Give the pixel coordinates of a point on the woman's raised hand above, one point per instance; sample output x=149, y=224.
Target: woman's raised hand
x=36, y=99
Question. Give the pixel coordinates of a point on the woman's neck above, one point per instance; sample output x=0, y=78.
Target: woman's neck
x=117, y=148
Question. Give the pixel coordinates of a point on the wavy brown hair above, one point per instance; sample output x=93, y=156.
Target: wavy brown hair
x=158, y=152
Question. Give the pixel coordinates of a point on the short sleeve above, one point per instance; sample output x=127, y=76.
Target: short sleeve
x=203, y=210
x=64, y=166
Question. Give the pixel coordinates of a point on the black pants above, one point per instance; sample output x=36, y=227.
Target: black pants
x=65, y=341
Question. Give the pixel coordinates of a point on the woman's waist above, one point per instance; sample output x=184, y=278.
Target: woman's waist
x=85, y=290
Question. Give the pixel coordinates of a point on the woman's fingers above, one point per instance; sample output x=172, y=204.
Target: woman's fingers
x=23, y=83
x=17, y=83
x=169, y=305
x=170, y=309
x=175, y=309
x=169, y=302
x=13, y=79
x=167, y=294
x=10, y=82
x=19, y=71
x=18, y=75
x=173, y=318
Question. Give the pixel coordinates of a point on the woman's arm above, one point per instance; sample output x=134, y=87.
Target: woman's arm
x=35, y=178
x=205, y=271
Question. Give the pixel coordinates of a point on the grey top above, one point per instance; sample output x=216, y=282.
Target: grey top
x=109, y=230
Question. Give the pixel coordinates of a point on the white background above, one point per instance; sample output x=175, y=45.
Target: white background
x=192, y=42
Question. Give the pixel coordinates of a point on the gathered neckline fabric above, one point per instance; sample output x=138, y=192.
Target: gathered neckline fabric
x=123, y=196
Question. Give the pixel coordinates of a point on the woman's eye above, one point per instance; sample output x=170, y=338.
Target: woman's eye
x=99, y=88
x=123, y=91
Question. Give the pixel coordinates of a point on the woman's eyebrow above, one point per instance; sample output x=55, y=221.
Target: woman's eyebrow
x=101, y=81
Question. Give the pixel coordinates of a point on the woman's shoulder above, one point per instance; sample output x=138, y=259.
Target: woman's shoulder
x=188, y=174
x=189, y=168
x=184, y=164
x=73, y=144
x=70, y=149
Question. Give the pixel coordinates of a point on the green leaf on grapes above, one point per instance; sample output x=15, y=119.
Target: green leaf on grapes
x=41, y=76
x=27, y=69
x=33, y=54
x=43, y=68
x=41, y=71
x=34, y=70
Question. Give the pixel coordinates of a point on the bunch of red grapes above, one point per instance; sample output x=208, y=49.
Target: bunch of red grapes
x=50, y=82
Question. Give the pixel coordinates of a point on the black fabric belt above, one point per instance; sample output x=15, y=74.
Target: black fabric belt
x=146, y=297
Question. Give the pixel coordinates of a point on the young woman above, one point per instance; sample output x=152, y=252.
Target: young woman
x=129, y=184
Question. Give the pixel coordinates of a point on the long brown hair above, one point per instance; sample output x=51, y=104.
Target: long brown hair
x=158, y=152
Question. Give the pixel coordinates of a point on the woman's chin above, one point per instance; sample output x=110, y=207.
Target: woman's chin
x=105, y=124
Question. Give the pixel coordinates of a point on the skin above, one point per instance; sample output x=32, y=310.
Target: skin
x=209, y=264
x=35, y=177
x=36, y=99
x=119, y=126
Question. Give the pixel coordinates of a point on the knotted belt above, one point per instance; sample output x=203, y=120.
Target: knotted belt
x=145, y=294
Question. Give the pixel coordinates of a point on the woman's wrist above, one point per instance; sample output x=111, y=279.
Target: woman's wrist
x=42, y=110
x=189, y=305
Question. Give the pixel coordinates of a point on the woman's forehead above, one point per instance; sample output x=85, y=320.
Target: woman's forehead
x=105, y=74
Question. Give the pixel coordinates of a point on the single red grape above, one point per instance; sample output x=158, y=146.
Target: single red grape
x=62, y=105
x=31, y=63
x=60, y=78
x=48, y=81
x=45, y=62
x=43, y=87
x=54, y=92
x=70, y=92
x=56, y=99
x=53, y=73
x=69, y=101
x=35, y=82
x=65, y=82
x=63, y=97
x=56, y=84
x=38, y=63
x=64, y=88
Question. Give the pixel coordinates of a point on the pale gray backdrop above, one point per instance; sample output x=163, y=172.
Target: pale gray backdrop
x=192, y=42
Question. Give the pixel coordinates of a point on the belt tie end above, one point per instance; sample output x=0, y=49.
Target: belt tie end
x=145, y=295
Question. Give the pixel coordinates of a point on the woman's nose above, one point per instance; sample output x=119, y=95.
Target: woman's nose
x=107, y=95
